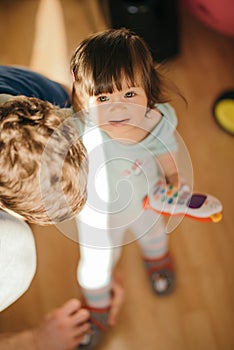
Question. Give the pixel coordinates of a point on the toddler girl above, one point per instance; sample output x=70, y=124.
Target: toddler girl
x=130, y=138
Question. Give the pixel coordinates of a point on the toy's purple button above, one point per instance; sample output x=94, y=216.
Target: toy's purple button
x=196, y=201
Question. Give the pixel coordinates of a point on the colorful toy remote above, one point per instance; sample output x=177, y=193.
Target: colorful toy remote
x=169, y=200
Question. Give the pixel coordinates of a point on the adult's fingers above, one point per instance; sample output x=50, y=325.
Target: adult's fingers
x=70, y=307
x=81, y=316
x=117, y=301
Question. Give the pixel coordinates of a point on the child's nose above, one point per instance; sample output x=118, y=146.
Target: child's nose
x=116, y=105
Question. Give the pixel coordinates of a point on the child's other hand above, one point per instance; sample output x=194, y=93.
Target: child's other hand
x=63, y=328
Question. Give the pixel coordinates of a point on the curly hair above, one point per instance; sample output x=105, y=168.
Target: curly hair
x=43, y=163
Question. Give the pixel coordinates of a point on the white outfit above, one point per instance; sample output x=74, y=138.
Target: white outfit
x=17, y=258
x=120, y=176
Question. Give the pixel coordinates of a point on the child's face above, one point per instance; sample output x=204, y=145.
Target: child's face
x=120, y=112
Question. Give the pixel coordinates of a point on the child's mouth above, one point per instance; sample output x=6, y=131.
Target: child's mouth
x=118, y=122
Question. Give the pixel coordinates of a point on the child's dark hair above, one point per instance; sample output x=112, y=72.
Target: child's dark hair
x=101, y=61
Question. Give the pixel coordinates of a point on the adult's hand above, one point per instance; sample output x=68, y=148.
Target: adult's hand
x=117, y=297
x=63, y=328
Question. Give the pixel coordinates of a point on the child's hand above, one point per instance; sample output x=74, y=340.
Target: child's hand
x=177, y=180
x=63, y=328
x=173, y=179
x=117, y=298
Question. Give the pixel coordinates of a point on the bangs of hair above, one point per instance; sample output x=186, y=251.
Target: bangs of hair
x=117, y=60
x=102, y=62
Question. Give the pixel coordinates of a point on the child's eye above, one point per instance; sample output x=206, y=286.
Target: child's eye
x=102, y=98
x=130, y=94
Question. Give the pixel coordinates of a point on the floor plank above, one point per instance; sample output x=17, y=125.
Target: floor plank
x=200, y=313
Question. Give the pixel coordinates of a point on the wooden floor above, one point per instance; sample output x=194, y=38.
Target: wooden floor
x=200, y=313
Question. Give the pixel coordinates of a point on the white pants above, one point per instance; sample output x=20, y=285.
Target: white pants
x=101, y=233
x=100, y=249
